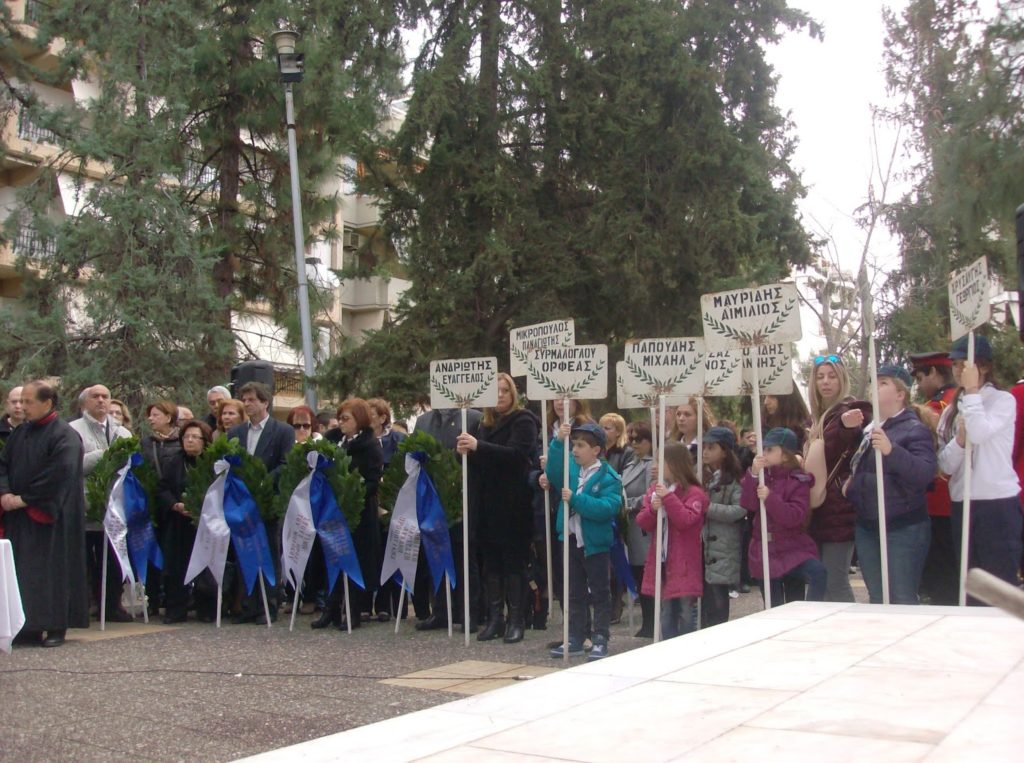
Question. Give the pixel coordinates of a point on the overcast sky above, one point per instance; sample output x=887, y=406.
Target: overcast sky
x=829, y=88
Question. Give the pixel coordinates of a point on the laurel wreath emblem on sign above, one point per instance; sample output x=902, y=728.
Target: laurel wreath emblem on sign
x=748, y=389
x=711, y=386
x=963, y=319
x=648, y=400
x=668, y=386
x=463, y=401
x=747, y=338
x=551, y=386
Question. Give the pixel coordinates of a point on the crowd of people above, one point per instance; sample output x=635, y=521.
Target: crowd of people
x=816, y=475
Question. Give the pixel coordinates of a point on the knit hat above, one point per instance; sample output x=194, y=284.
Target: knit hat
x=782, y=437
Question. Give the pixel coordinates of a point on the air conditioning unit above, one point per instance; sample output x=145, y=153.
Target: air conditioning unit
x=351, y=241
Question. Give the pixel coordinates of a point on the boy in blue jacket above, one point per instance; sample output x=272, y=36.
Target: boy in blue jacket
x=594, y=492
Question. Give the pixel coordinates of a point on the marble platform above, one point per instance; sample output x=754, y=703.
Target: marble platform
x=807, y=681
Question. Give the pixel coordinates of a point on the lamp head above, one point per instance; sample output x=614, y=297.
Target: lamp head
x=289, y=63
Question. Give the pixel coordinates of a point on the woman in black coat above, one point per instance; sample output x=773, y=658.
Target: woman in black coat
x=355, y=435
x=178, y=533
x=501, y=505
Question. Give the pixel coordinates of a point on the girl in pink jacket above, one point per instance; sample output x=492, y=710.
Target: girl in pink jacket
x=787, y=495
x=685, y=505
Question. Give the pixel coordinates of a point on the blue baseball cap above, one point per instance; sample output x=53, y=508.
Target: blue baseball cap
x=782, y=437
x=592, y=428
x=721, y=435
x=894, y=371
x=982, y=348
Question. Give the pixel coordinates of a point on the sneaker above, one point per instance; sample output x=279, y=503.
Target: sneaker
x=734, y=594
x=599, y=650
x=575, y=650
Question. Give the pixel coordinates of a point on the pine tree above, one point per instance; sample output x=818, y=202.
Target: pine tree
x=189, y=215
x=957, y=69
x=606, y=161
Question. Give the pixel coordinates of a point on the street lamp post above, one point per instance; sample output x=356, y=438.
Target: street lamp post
x=290, y=64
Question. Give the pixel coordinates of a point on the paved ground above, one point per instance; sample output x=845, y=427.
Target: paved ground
x=191, y=692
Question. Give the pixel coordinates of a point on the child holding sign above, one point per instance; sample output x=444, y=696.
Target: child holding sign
x=786, y=495
x=594, y=492
x=986, y=415
x=685, y=505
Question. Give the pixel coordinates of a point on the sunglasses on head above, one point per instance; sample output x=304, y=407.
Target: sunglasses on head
x=818, y=360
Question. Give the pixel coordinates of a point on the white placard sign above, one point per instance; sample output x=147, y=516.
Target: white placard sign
x=524, y=341
x=750, y=317
x=723, y=376
x=775, y=369
x=670, y=367
x=969, y=305
x=464, y=383
x=579, y=372
x=630, y=393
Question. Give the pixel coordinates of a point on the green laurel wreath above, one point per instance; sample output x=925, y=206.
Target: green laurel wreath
x=747, y=338
x=346, y=482
x=463, y=401
x=251, y=471
x=102, y=478
x=443, y=466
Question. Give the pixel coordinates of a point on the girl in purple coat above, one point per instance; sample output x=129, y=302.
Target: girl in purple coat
x=786, y=494
x=685, y=505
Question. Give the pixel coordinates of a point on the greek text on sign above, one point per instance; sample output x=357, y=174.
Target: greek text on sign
x=751, y=317
x=465, y=383
x=969, y=298
x=579, y=372
x=524, y=341
x=774, y=369
x=723, y=376
x=667, y=366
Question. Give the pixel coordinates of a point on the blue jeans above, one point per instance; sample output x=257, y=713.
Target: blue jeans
x=678, y=616
x=811, y=571
x=908, y=549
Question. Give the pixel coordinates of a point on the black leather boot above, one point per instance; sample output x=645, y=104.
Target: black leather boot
x=495, y=610
x=330, y=616
x=514, y=585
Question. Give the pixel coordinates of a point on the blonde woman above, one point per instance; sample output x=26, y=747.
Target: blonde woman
x=618, y=453
x=833, y=439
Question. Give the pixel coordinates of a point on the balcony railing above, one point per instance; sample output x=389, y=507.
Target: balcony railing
x=200, y=176
x=34, y=10
x=32, y=246
x=29, y=130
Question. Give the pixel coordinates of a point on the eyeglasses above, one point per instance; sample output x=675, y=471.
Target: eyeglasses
x=300, y=425
x=818, y=360
x=635, y=440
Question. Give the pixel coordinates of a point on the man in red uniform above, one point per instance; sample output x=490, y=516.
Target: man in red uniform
x=940, y=582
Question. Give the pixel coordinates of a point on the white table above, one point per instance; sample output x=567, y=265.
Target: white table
x=807, y=681
x=12, y=616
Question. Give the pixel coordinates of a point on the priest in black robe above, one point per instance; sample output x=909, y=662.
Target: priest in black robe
x=43, y=503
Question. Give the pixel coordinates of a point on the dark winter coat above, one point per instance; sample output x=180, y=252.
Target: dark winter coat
x=786, y=507
x=908, y=471
x=499, y=492
x=833, y=521
x=368, y=460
